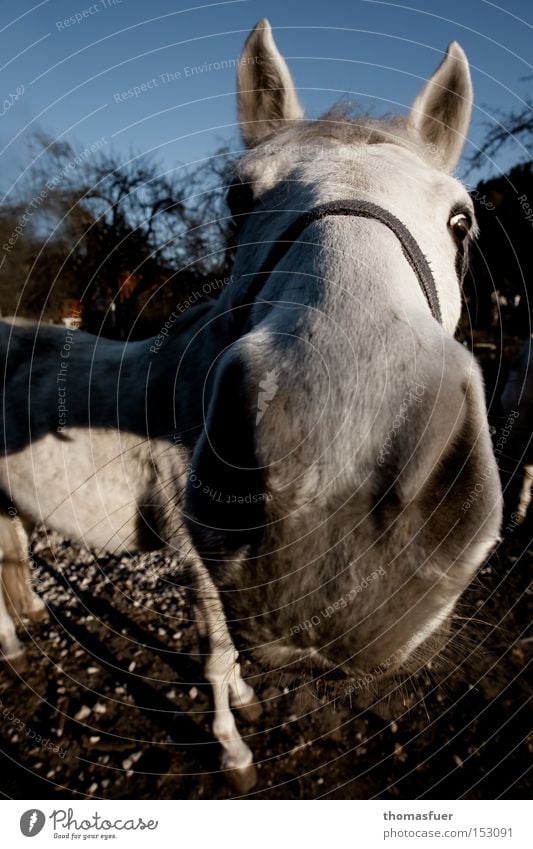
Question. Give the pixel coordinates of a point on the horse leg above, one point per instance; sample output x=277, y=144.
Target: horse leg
x=33, y=605
x=223, y=673
x=17, y=572
x=10, y=594
x=241, y=695
x=525, y=492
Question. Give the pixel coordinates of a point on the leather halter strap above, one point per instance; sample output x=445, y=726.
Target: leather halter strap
x=356, y=209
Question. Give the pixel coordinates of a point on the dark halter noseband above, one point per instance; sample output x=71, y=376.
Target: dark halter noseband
x=356, y=209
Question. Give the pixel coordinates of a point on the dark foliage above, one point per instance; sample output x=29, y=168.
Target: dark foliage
x=125, y=242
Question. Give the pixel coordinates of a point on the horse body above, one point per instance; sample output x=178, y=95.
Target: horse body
x=80, y=454
x=311, y=437
x=97, y=433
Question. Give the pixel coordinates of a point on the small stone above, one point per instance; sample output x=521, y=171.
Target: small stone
x=127, y=763
x=83, y=713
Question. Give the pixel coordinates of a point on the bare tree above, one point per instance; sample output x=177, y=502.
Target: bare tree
x=124, y=238
x=516, y=125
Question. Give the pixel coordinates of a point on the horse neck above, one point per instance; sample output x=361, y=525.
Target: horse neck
x=179, y=368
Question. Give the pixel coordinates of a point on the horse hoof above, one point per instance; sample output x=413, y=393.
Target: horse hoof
x=250, y=712
x=242, y=780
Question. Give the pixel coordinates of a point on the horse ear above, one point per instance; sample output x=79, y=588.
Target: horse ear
x=441, y=112
x=266, y=95
x=224, y=498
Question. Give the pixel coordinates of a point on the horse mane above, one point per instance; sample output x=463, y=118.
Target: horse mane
x=347, y=124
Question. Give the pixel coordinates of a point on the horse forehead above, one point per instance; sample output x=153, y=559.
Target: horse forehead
x=390, y=164
x=383, y=166
x=398, y=158
x=383, y=170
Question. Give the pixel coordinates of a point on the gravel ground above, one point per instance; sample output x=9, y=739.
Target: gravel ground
x=112, y=703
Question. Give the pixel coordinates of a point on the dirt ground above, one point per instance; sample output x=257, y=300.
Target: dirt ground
x=112, y=702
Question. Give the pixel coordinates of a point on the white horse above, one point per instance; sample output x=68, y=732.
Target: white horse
x=314, y=432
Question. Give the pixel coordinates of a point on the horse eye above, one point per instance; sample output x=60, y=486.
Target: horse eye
x=240, y=199
x=460, y=225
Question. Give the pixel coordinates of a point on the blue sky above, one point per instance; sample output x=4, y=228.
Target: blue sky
x=70, y=76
